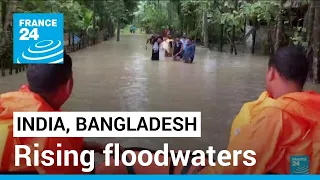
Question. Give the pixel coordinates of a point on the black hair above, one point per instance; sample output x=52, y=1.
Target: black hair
x=291, y=63
x=153, y=39
x=160, y=37
x=47, y=78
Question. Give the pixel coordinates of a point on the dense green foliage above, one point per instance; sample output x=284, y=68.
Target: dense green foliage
x=223, y=16
x=89, y=15
x=91, y=20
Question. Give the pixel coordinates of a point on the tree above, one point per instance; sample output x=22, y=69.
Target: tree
x=205, y=24
x=7, y=9
x=310, y=22
x=279, y=32
x=232, y=44
x=153, y=17
x=316, y=43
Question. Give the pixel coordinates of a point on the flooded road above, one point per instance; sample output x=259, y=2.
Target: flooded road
x=119, y=76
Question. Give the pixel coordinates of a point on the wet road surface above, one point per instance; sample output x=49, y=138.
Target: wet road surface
x=119, y=76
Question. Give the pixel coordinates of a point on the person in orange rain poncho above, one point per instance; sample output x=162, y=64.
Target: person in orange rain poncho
x=49, y=88
x=283, y=122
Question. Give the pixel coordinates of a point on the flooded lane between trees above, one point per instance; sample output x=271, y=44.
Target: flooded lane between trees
x=119, y=76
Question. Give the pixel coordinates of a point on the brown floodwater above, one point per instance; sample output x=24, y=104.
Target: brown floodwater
x=119, y=76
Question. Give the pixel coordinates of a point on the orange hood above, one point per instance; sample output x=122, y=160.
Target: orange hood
x=26, y=101
x=21, y=101
x=301, y=104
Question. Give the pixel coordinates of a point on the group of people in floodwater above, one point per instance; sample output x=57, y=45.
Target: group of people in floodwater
x=180, y=48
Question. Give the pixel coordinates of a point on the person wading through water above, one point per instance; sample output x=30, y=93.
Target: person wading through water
x=188, y=53
x=193, y=44
x=177, y=49
x=183, y=40
x=156, y=49
x=169, y=47
x=162, y=48
x=151, y=41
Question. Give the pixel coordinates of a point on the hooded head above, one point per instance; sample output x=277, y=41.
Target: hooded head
x=53, y=82
x=287, y=71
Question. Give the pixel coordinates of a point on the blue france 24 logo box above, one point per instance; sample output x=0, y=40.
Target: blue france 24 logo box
x=299, y=165
x=38, y=38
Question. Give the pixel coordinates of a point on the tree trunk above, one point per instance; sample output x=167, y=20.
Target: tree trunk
x=212, y=37
x=220, y=48
x=10, y=8
x=310, y=23
x=316, y=42
x=279, y=27
x=245, y=27
x=73, y=45
x=232, y=44
x=308, y=38
x=180, y=16
x=3, y=19
x=253, y=42
x=69, y=39
x=118, y=29
x=188, y=29
x=3, y=12
x=4, y=36
x=254, y=33
x=205, y=25
x=306, y=22
x=94, y=22
x=270, y=42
